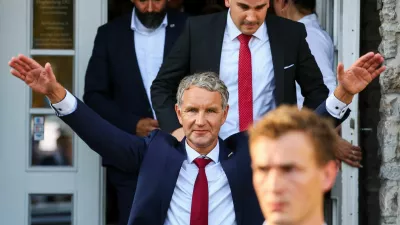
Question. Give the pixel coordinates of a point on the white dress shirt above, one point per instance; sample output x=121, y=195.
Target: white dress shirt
x=263, y=74
x=322, y=48
x=149, y=47
x=221, y=208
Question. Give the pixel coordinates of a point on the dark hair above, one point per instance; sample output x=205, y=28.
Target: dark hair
x=308, y=5
x=301, y=5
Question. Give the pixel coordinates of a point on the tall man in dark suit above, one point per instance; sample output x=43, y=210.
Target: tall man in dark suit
x=198, y=181
x=258, y=57
x=127, y=55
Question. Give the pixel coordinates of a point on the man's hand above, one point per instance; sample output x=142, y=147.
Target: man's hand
x=348, y=153
x=178, y=134
x=145, y=126
x=358, y=76
x=41, y=80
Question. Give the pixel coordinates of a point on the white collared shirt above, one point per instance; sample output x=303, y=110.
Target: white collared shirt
x=263, y=74
x=322, y=48
x=149, y=47
x=220, y=206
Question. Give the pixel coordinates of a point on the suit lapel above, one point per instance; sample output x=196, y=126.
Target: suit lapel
x=128, y=59
x=277, y=51
x=229, y=164
x=173, y=165
x=216, y=36
x=172, y=33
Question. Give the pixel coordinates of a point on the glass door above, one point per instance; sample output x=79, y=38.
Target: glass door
x=48, y=175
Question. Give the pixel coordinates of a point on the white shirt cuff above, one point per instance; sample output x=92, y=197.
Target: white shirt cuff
x=66, y=106
x=335, y=107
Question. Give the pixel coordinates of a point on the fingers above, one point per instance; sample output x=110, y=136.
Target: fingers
x=17, y=66
x=340, y=70
x=30, y=62
x=364, y=59
x=377, y=72
x=17, y=74
x=373, y=63
x=154, y=123
x=48, y=69
x=352, y=163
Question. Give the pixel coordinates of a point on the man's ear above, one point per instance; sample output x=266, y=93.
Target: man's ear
x=178, y=113
x=228, y=3
x=330, y=171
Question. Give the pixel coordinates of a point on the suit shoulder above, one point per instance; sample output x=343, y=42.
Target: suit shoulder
x=164, y=137
x=205, y=21
x=286, y=24
x=121, y=22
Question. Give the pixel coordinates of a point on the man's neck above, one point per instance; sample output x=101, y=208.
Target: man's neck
x=202, y=150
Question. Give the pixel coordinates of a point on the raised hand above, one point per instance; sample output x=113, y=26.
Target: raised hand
x=358, y=76
x=41, y=79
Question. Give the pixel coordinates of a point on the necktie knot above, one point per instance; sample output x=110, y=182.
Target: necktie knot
x=244, y=38
x=202, y=162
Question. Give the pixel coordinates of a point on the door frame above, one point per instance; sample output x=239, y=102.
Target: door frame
x=85, y=180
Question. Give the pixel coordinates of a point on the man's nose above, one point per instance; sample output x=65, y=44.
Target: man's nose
x=275, y=181
x=200, y=119
x=150, y=6
x=251, y=17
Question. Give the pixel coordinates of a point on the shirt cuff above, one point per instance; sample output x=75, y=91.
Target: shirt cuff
x=66, y=106
x=335, y=107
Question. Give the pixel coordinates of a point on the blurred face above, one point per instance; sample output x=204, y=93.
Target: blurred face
x=287, y=180
x=201, y=116
x=151, y=13
x=248, y=15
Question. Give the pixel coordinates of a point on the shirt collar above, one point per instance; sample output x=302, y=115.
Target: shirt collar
x=309, y=18
x=192, y=154
x=234, y=32
x=136, y=25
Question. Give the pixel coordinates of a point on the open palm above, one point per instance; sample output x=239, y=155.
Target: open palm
x=41, y=80
x=361, y=73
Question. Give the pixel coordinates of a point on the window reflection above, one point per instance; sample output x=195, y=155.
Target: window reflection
x=51, y=209
x=51, y=141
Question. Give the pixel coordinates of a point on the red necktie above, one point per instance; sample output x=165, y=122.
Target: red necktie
x=245, y=83
x=199, y=213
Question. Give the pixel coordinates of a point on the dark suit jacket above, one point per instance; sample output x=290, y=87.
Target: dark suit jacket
x=114, y=89
x=157, y=161
x=199, y=49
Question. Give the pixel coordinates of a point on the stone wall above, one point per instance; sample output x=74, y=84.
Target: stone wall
x=389, y=125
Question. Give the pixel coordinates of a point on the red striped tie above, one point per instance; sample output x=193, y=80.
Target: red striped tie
x=199, y=213
x=245, y=83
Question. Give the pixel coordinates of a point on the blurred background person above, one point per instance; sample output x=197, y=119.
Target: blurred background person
x=322, y=48
x=319, y=41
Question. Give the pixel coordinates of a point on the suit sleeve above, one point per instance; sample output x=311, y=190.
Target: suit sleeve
x=308, y=75
x=123, y=150
x=164, y=87
x=98, y=87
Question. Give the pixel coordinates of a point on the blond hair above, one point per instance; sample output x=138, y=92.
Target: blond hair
x=285, y=119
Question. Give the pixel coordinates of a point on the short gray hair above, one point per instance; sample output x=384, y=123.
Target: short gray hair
x=206, y=80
